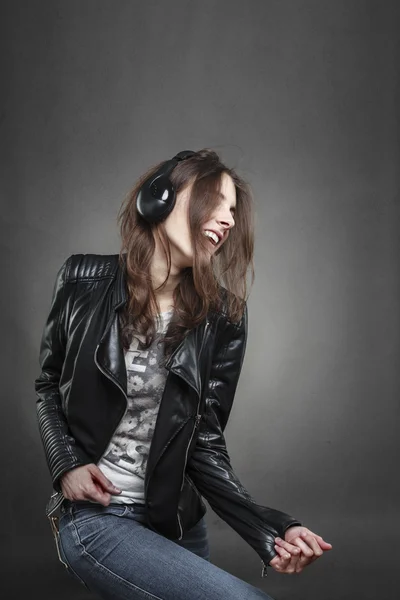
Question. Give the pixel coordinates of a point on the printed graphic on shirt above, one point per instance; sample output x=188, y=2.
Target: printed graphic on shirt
x=130, y=444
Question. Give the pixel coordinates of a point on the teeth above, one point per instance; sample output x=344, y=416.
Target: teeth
x=212, y=235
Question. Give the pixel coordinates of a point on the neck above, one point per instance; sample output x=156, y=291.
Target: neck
x=158, y=273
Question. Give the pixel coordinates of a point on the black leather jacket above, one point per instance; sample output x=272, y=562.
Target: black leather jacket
x=82, y=391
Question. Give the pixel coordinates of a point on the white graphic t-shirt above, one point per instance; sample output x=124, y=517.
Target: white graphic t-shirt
x=125, y=459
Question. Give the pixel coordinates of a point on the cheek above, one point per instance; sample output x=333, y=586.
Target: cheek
x=178, y=232
x=182, y=230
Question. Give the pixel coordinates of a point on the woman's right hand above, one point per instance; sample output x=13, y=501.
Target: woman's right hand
x=87, y=482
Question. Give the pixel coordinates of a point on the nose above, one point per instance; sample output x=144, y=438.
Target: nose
x=225, y=218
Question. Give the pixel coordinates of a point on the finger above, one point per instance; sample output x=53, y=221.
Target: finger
x=305, y=548
x=100, y=478
x=323, y=544
x=96, y=495
x=276, y=563
x=291, y=548
x=104, y=482
x=283, y=554
x=313, y=544
x=279, y=563
x=304, y=561
x=290, y=565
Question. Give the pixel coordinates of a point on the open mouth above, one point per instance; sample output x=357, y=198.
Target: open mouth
x=212, y=243
x=212, y=238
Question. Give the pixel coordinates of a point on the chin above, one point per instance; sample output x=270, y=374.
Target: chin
x=186, y=257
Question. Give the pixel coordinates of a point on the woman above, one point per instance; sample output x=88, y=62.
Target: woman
x=140, y=359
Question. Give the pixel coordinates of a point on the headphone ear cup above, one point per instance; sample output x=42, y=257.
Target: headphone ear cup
x=156, y=197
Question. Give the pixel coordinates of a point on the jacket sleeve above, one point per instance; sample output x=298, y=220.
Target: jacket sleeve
x=62, y=452
x=210, y=466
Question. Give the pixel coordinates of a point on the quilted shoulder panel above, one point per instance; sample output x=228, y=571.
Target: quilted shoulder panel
x=92, y=266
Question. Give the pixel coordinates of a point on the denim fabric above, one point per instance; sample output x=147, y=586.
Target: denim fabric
x=112, y=552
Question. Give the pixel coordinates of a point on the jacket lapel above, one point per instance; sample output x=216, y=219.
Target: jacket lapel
x=184, y=361
x=110, y=355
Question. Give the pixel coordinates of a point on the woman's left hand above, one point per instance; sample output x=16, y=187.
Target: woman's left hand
x=311, y=545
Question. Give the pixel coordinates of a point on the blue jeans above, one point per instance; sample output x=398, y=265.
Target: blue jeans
x=113, y=553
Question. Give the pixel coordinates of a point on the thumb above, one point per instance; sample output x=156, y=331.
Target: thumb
x=105, y=483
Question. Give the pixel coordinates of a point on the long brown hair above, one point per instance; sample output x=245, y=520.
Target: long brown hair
x=201, y=287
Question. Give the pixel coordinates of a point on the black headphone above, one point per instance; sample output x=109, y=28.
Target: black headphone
x=156, y=197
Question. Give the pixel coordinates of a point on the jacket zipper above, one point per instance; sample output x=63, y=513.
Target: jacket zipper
x=197, y=420
x=264, y=571
x=196, y=424
x=180, y=526
x=125, y=396
x=206, y=326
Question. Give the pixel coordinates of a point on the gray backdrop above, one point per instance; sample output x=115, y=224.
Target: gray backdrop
x=302, y=97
